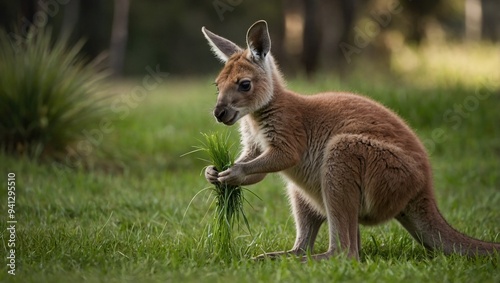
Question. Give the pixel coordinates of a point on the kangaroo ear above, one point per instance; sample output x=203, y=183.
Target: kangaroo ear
x=222, y=48
x=258, y=40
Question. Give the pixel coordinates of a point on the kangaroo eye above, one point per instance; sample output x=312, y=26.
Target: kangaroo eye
x=244, y=86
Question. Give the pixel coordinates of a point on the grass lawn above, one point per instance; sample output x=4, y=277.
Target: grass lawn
x=131, y=215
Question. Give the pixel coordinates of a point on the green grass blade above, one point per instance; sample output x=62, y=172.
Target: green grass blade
x=229, y=199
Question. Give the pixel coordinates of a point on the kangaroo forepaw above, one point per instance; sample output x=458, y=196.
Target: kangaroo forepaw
x=212, y=175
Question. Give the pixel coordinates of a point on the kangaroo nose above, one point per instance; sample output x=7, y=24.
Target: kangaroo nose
x=219, y=113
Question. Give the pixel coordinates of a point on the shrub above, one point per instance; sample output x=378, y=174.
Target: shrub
x=48, y=94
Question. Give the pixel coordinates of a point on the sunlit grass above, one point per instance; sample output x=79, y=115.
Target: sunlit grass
x=444, y=64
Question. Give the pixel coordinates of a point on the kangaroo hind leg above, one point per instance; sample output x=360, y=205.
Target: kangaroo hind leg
x=364, y=181
x=341, y=192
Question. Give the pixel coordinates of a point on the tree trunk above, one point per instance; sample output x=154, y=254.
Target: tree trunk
x=312, y=37
x=28, y=9
x=119, y=34
x=348, y=17
x=491, y=21
x=70, y=19
x=473, y=19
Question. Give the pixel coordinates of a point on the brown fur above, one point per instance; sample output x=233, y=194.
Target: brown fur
x=346, y=158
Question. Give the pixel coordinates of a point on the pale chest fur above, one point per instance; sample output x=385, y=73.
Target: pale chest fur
x=307, y=173
x=252, y=138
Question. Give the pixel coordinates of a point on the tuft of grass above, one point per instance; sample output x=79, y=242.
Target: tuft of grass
x=49, y=94
x=229, y=199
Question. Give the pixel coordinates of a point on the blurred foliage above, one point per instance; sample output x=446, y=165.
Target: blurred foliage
x=167, y=33
x=48, y=94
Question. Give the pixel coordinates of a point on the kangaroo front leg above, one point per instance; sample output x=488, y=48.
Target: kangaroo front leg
x=272, y=160
x=307, y=223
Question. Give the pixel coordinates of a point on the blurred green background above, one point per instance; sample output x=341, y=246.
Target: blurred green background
x=308, y=36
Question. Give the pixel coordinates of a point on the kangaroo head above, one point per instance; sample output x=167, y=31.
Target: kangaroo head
x=245, y=84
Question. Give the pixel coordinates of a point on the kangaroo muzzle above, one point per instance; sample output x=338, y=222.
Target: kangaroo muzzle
x=225, y=114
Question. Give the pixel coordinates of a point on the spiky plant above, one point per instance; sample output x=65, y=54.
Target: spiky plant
x=49, y=93
x=228, y=199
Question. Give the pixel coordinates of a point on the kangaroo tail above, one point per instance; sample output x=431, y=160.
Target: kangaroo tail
x=426, y=224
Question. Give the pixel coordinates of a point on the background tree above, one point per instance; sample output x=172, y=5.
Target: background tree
x=119, y=35
x=311, y=36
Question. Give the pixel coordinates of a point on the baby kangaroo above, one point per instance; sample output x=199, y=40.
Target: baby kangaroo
x=346, y=158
